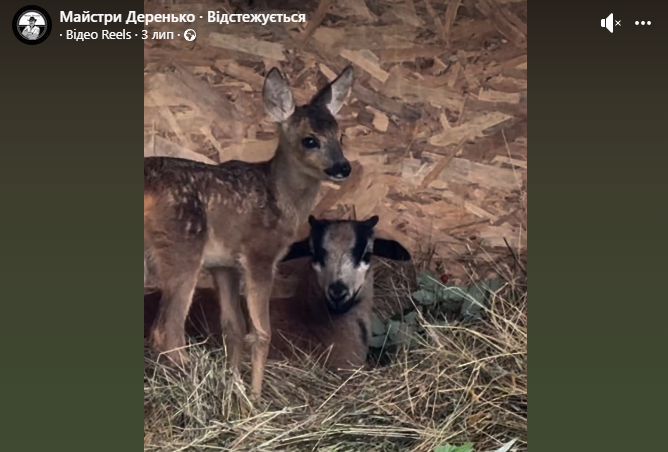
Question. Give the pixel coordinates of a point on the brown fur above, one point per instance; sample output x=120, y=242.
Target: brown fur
x=303, y=322
x=235, y=218
x=300, y=324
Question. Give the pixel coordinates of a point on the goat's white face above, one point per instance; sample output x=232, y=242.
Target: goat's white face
x=342, y=259
x=341, y=253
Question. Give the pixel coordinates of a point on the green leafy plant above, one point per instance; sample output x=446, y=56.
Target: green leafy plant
x=435, y=298
x=469, y=448
x=464, y=448
x=396, y=331
x=472, y=301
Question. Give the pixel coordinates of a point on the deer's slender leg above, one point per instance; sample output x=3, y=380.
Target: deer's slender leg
x=259, y=281
x=178, y=269
x=232, y=318
x=168, y=335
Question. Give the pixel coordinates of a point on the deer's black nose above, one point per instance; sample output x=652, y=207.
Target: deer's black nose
x=340, y=170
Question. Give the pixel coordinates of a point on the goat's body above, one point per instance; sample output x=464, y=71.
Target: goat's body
x=303, y=321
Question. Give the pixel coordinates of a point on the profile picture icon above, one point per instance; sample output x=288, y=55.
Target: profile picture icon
x=32, y=25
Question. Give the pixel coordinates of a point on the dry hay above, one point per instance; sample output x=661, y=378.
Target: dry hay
x=462, y=382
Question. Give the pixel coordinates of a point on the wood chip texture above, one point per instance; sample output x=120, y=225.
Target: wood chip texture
x=436, y=125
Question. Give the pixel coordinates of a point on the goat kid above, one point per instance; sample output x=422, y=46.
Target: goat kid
x=239, y=217
x=329, y=314
x=336, y=293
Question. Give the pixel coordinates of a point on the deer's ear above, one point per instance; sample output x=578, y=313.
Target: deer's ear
x=390, y=249
x=298, y=250
x=277, y=96
x=334, y=95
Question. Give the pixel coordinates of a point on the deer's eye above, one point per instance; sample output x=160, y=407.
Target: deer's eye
x=310, y=143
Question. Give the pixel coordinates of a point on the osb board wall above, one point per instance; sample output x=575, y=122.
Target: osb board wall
x=436, y=126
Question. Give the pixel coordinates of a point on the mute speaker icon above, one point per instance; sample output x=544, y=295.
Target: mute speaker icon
x=607, y=23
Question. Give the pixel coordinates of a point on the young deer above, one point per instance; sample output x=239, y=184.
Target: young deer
x=330, y=312
x=239, y=217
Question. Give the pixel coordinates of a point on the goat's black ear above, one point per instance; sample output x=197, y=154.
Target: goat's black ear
x=298, y=250
x=372, y=222
x=390, y=249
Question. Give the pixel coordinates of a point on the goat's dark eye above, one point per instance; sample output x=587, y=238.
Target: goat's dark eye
x=310, y=143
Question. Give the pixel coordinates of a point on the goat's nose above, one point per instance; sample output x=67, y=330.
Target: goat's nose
x=338, y=292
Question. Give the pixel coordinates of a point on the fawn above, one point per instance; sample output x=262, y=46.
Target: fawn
x=239, y=218
x=329, y=314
